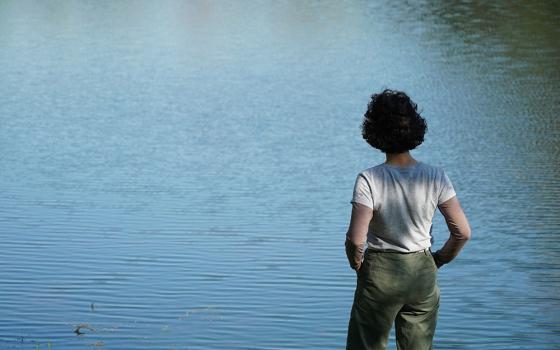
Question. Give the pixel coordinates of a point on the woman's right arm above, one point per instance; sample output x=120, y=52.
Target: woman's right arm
x=459, y=231
x=356, y=236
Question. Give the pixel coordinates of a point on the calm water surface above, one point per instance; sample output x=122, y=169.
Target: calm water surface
x=177, y=175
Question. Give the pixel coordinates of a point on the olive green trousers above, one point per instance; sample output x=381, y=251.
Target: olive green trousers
x=394, y=287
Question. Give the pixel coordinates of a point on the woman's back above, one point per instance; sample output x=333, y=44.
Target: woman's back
x=404, y=200
x=392, y=209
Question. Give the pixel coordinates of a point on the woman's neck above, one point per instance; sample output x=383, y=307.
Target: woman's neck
x=400, y=159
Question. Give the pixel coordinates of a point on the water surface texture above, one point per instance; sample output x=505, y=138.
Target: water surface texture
x=177, y=175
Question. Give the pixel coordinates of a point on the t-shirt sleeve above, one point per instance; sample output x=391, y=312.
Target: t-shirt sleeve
x=446, y=191
x=362, y=192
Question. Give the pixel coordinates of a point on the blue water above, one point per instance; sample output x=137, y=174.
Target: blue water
x=177, y=175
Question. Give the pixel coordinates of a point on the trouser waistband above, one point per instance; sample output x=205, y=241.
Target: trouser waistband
x=427, y=251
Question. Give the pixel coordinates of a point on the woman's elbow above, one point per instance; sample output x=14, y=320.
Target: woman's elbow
x=356, y=240
x=466, y=233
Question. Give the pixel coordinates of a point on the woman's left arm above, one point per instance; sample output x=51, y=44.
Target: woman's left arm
x=356, y=236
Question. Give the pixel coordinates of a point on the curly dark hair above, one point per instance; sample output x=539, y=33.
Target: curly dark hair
x=392, y=123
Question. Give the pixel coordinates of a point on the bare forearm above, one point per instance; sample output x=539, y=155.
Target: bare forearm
x=354, y=253
x=356, y=236
x=450, y=249
x=459, y=231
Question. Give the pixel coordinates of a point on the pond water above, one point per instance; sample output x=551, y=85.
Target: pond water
x=177, y=175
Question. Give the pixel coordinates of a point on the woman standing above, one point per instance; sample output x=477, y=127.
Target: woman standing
x=392, y=208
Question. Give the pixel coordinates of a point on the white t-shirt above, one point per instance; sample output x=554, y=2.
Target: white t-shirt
x=404, y=200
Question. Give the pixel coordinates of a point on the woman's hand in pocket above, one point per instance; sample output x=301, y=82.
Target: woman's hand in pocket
x=358, y=268
x=438, y=262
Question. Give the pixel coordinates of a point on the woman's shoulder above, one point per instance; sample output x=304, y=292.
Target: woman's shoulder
x=419, y=167
x=372, y=170
x=431, y=167
x=435, y=170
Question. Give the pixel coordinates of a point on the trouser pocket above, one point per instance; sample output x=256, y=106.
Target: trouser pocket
x=433, y=261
